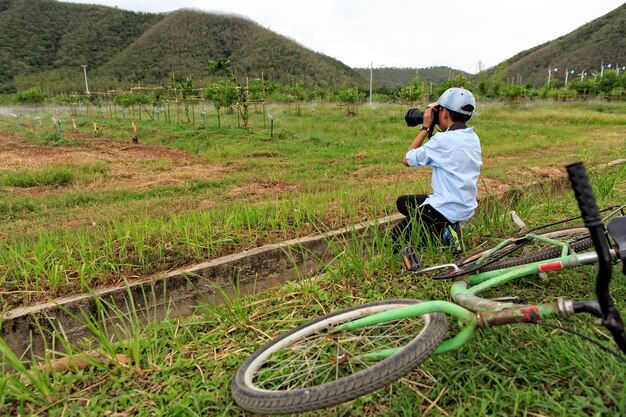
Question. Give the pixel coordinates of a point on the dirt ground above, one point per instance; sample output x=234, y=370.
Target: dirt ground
x=128, y=166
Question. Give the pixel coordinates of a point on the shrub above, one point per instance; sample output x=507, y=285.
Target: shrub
x=514, y=93
x=130, y=99
x=30, y=96
x=459, y=81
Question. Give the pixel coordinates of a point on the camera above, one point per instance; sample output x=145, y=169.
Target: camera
x=415, y=116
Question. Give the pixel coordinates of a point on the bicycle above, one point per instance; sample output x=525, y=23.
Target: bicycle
x=351, y=352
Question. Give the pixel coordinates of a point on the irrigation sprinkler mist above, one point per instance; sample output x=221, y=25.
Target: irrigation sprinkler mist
x=271, y=125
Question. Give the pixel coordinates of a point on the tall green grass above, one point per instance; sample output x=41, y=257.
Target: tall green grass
x=58, y=176
x=58, y=263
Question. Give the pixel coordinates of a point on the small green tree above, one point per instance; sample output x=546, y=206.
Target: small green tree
x=219, y=67
x=414, y=91
x=323, y=94
x=350, y=97
x=186, y=91
x=223, y=94
x=460, y=81
x=175, y=80
x=583, y=88
x=298, y=94
x=256, y=90
x=514, y=94
x=222, y=67
x=131, y=99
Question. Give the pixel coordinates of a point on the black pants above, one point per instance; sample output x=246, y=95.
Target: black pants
x=426, y=218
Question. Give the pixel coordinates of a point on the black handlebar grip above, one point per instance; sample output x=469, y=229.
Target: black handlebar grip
x=584, y=194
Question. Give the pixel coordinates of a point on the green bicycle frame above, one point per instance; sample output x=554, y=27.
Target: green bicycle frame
x=473, y=311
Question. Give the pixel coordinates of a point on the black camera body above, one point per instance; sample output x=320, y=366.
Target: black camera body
x=415, y=117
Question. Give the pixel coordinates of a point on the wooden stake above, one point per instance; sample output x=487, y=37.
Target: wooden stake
x=96, y=132
x=135, y=135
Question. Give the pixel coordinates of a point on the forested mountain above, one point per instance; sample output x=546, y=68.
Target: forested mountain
x=43, y=37
x=44, y=43
x=184, y=40
x=603, y=40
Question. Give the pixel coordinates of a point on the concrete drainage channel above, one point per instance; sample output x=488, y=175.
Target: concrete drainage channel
x=29, y=330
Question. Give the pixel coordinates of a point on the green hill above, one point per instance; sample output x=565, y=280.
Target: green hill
x=586, y=48
x=49, y=40
x=601, y=41
x=184, y=40
x=44, y=43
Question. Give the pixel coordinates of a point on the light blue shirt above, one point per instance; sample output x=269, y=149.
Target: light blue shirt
x=455, y=156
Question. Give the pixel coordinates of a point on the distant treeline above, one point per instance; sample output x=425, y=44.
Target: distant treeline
x=226, y=92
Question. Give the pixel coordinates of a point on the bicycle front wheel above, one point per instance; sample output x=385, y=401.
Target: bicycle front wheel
x=312, y=367
x=522, y=252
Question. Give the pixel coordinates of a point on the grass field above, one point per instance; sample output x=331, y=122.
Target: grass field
x=87, y=212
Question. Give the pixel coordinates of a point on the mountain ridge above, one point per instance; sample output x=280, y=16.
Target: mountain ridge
x=44, y=43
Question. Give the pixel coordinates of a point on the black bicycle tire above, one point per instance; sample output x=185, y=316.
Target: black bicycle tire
x=467, y=265
x=347, y=388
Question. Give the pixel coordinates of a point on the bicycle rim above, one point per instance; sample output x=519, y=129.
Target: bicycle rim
x=310, y=367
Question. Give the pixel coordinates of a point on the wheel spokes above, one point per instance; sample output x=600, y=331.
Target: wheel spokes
x=323, y=357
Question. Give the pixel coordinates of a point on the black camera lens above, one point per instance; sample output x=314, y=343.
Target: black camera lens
x=414, y=117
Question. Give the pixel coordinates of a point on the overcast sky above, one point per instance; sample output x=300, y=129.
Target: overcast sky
x=406, y=33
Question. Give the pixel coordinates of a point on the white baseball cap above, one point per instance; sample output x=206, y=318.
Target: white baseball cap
x=456, y=99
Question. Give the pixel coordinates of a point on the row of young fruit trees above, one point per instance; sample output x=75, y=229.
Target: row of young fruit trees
x=227, y=92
